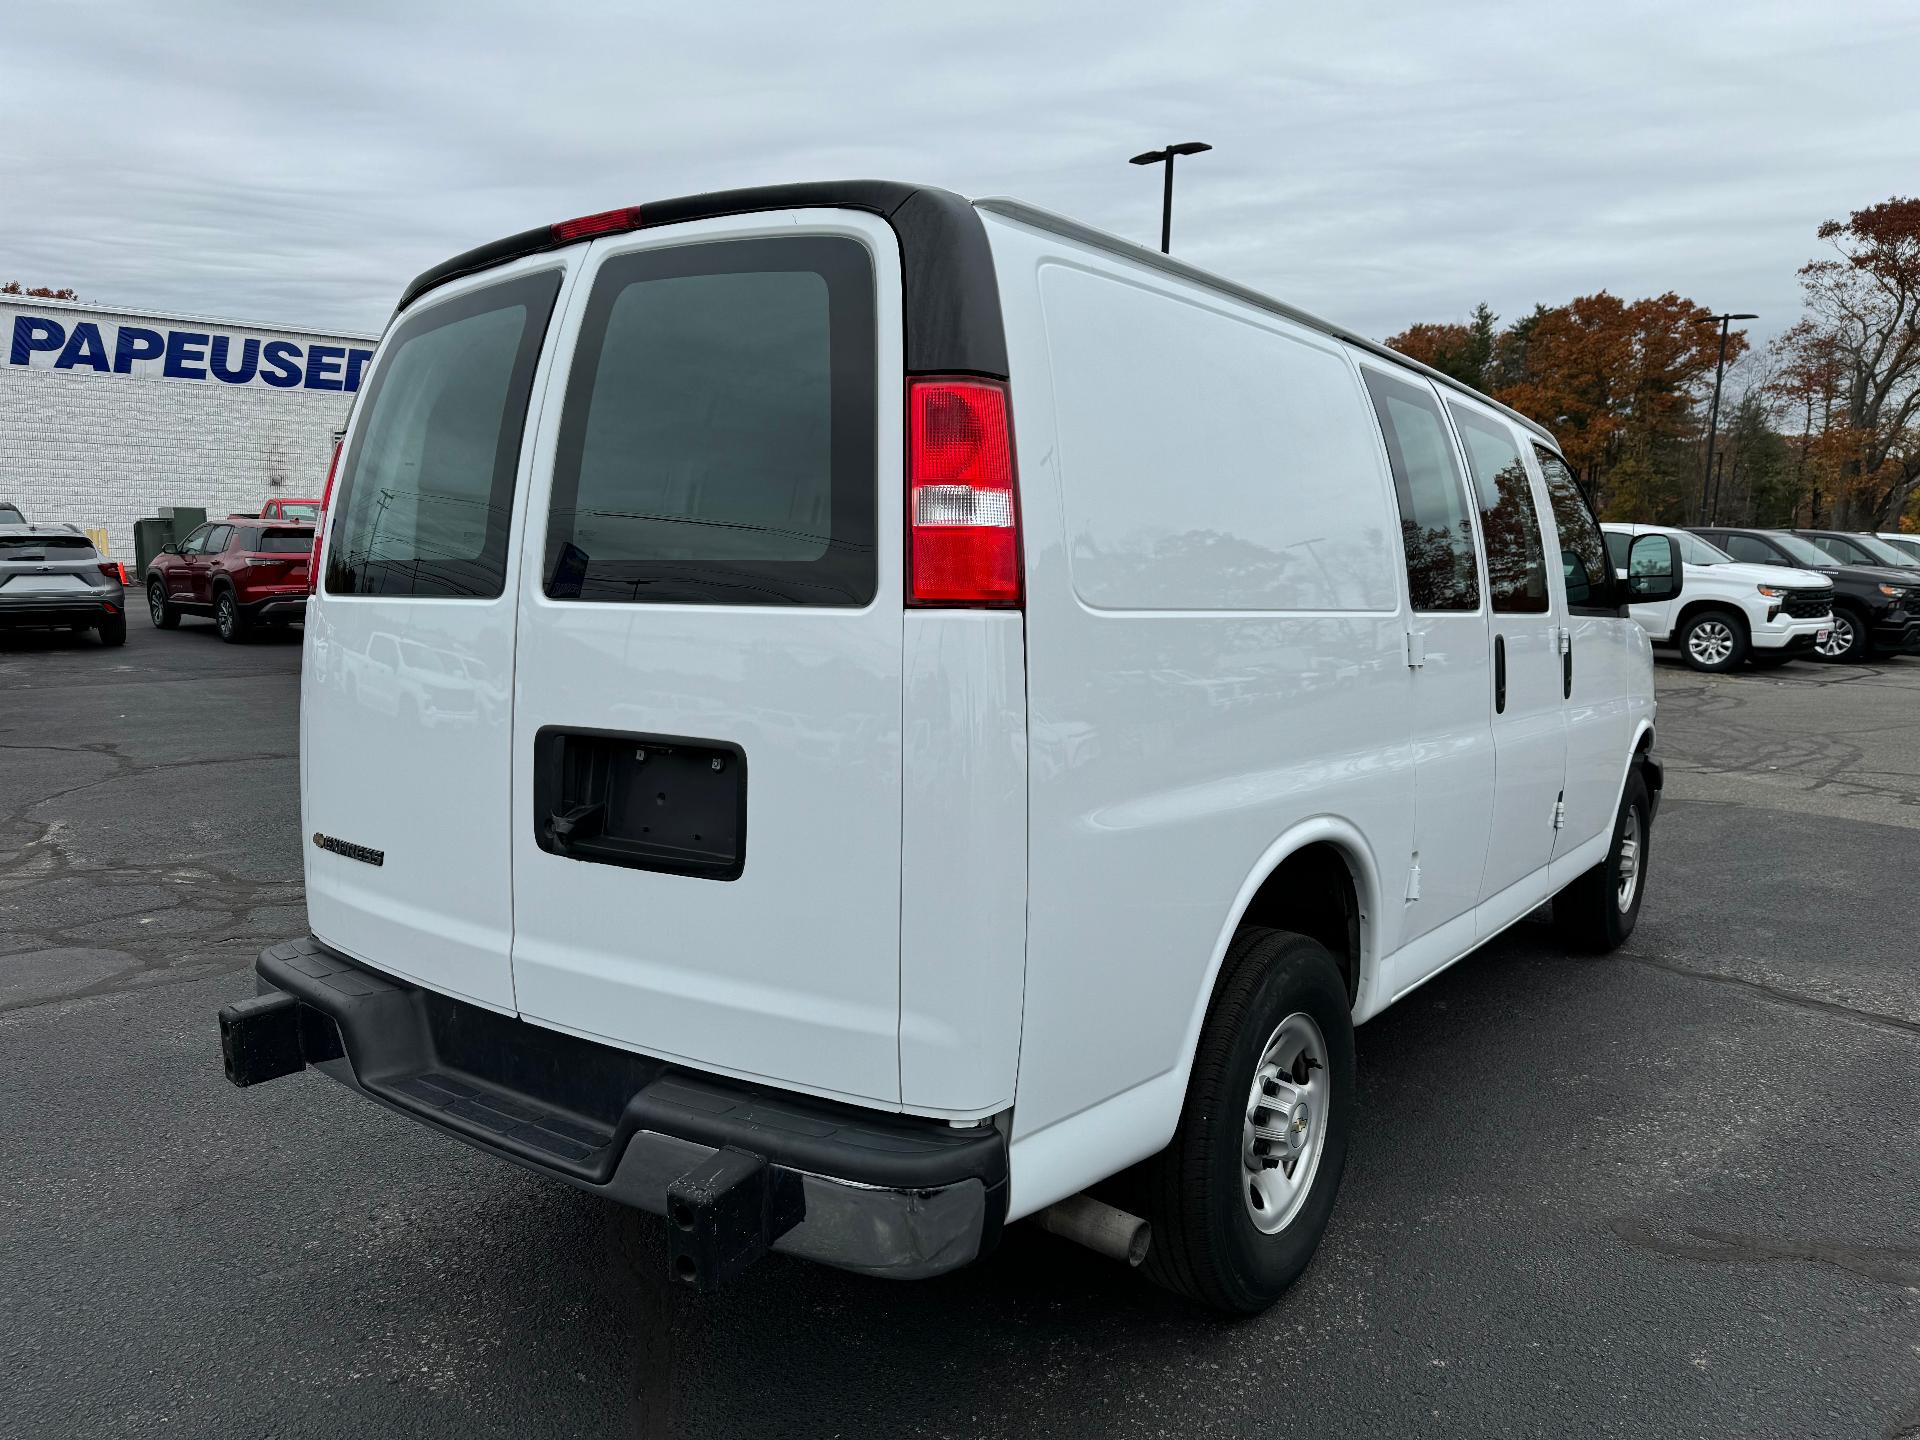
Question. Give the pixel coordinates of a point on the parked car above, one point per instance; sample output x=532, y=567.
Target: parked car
x=304, y=512
x=1873, y=610
x=243, y=572
x=1733, y=613
x=51, y=577
x=1852, y=549
x=10, y=514
x=1908, y=546
x=894, y=831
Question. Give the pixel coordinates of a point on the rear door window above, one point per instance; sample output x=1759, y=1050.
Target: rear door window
x=1434, y=520
x=1509, y=524
x=1583, y=551
x=717, y=444
x=426, y=499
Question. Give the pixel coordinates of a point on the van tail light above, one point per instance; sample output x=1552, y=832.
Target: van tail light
x=320, y=522
x=963, y=511
x=585, y=227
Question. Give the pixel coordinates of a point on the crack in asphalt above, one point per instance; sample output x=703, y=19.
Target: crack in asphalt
x=1873, y=1019
x=37, y=865
x=1884, y=1264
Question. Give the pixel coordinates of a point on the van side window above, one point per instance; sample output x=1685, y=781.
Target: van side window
x=426, y=497
x=1434, y=523
x=717, y=440
x=1619, y=550
x=1509, y=524
x=1583, y=553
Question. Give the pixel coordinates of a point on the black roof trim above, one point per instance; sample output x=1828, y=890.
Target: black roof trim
x=952, y=300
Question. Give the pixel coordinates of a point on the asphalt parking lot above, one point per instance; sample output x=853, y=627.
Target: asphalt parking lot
x=1667, y=1192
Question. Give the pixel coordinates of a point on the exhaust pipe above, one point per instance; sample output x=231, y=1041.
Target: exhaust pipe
x=1098, y=1226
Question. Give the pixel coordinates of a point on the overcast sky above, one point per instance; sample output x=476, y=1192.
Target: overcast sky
x=299, y=163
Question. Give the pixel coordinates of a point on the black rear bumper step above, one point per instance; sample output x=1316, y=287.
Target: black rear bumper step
x=877, y=1192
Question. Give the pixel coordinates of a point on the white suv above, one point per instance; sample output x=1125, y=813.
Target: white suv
x=965, y=709
x=1733, y=612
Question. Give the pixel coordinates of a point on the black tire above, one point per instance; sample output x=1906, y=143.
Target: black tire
x=1588, y=914
x=229, y=618
x=1195, y=1193
x=113, y=630
x=163, y=615
x=1713, y=641
x=1852, y=638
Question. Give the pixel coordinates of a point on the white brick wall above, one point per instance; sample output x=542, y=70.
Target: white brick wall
x=85, y=448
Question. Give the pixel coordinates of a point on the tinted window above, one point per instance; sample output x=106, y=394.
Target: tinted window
x=1509, y=525
x=1618, y=546
x=1583, y=553
x=426, y=496
x=1434, y=524
x=1751, y=550
x=717, y=441
x=285, y=542
x=63, y=546
x=1843, y=549
x=11, y=516
x=1802, y=551
x=1909, y=549
x=217, y=539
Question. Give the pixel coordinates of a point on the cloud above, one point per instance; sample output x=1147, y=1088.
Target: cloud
x=300, y=164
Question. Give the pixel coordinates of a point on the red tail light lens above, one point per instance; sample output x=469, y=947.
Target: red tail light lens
x=607, y=222
x=962, y=508
x=320, y=523
x=113, y=570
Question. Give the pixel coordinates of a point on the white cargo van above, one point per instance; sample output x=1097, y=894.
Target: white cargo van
x=935, y=709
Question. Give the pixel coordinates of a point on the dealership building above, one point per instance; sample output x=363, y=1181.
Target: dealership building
x=108, y=415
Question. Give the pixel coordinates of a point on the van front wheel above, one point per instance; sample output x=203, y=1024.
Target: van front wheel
x=1596, y=912
x=1240, y=1198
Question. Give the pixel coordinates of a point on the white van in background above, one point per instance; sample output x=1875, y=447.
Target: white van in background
x=1734, y=612
x=988, y=709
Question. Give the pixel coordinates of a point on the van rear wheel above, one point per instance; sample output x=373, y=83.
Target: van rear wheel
x=1240, y=1198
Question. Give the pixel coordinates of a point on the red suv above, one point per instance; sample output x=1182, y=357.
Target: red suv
x=242, y=571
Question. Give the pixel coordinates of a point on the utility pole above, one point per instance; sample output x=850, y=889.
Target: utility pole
x=1713, y=417
x=1156, y=157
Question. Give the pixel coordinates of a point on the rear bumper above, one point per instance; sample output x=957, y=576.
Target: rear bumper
x=877, y=1193
x=75, y=609
x=278, y=607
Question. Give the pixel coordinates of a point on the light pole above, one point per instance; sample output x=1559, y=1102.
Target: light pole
x=1713, y=416
x=1155, y=157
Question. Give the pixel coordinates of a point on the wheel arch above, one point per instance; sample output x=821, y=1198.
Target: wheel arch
x=1727, y=607
x=1306, y=850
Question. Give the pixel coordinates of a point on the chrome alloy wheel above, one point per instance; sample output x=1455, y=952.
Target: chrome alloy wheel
x=1839, y=637
x=1631, y=839
x=226, y=615
x=1288, y=1110
x=1710, y=642
x=156, y=602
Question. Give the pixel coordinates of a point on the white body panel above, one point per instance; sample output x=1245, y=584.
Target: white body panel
x=1736, y=585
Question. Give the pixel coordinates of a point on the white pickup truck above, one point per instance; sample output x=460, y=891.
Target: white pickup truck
x=1732, y=611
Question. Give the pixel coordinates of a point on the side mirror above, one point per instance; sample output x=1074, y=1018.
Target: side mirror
x=1653, y=569
x=169, y=549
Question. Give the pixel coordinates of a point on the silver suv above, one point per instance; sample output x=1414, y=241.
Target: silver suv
x=51, y=577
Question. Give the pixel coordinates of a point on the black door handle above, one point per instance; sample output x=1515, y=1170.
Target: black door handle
x=1499, y=674
x=1566, y=665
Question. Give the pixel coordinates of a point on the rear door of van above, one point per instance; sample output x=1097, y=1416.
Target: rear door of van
x=408, y=666
x=706, y=734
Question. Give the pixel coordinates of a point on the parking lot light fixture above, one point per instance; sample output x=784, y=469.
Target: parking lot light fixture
x=1156, y=157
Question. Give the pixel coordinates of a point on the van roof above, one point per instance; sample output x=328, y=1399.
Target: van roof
x=1039, y=219
x=951, y=294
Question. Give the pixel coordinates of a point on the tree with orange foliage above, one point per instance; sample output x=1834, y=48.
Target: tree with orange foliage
x=1859, y=349
x=39, y=292
x=1618, y=382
